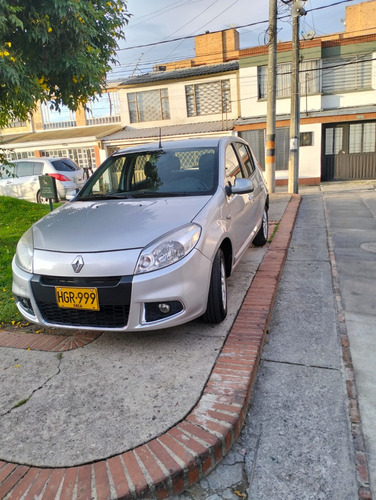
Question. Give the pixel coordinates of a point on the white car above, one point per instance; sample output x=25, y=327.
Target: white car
x=148, y=242
x=21, y=180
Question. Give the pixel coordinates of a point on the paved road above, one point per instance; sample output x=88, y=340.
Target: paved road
x=298, y=441
x=351, y=211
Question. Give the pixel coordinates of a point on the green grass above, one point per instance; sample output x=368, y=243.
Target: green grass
x=16, y=216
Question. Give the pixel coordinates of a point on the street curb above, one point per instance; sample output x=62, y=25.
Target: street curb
x=177, y=459
x=46, y=342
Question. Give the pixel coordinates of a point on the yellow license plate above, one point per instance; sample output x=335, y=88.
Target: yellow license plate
x=77, y=298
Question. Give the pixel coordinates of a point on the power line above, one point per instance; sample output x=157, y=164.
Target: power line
x=257, y=23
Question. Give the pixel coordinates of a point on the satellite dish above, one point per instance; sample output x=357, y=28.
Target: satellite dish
x=309, y=35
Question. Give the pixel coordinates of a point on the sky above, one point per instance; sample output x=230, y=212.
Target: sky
x=153, y=22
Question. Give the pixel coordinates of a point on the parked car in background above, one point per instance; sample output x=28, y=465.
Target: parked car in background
x=21, y=179
x=148, y=242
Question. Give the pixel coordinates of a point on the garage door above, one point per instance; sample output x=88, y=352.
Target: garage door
x=349, y=151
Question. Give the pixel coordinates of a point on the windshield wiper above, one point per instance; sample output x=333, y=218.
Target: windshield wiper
x=160, y=194
x=113, y=196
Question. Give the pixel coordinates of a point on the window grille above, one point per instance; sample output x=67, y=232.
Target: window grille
x=309, y=78
x=362, y=137
x=16, y=123
x=341, y=74
x=82, y=157
x=151, y=105
x=208, y=98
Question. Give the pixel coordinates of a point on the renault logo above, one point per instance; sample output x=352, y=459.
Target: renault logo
x=78, y=264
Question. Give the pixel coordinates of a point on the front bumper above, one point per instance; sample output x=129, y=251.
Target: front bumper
x=127, y=303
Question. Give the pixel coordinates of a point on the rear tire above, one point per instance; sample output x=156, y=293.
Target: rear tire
x=40, y=199
x=216, y=310
x=262, y=236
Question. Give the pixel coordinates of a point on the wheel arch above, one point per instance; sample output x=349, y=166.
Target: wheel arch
x=226, y=247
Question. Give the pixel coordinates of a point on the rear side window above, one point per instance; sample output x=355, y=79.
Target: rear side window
x=24, y=169
x=64, y=165
x=38, y=168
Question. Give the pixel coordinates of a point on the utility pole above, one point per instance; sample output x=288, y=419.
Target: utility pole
x=271, y=98
x=297, y=10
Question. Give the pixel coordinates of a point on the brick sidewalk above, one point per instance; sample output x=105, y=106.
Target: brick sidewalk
x=177, y=459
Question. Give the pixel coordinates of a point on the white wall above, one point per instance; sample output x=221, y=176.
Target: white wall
x=309, y=156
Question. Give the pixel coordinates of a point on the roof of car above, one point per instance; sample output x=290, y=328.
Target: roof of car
x=185, y=143
x=40, y=158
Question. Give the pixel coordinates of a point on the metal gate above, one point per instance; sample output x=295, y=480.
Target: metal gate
x=349, y=151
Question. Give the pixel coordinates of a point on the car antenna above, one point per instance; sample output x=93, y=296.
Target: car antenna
x=160, y=138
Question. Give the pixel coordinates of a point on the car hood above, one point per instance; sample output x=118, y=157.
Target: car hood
x=101, y=226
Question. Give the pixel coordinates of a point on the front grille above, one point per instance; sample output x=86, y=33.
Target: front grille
x=114, y=294
x=108, y=316
x=80, y=282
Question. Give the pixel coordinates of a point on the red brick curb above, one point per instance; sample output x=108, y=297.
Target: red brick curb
x=177, y=459
x=42, y=342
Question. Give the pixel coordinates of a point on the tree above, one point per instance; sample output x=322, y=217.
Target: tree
x=57, y=51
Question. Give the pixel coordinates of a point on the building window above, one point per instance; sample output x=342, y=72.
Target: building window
x=208, y=98
x=341, y=75
x=333, y=140
x=15, y=155
x=306, y=139
x=103, y=109
x=309, y=77
x=15, y=124
x=151, y=105
x=57, y=119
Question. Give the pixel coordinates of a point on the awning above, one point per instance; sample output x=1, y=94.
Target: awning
x=68, y=136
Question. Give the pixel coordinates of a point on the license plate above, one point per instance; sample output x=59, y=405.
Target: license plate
x=77, y=298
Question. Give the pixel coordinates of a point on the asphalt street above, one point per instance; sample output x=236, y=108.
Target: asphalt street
x=298, y=442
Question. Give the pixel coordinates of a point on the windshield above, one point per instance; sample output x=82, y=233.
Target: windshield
x=177, y=172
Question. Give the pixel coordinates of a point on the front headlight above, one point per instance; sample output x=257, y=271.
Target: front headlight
x=25, y=251
x=168, y=249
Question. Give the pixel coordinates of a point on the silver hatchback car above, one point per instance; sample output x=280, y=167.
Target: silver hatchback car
x=22, y=179
x=148, y=242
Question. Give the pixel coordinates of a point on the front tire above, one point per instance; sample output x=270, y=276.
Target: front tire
x=262, y=236
x=216, y=310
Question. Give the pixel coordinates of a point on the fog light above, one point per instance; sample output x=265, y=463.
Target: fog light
x=155, y=311
x=25, y=304
x=164, y=308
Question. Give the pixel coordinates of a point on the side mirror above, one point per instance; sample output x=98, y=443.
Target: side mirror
x=241, y=186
